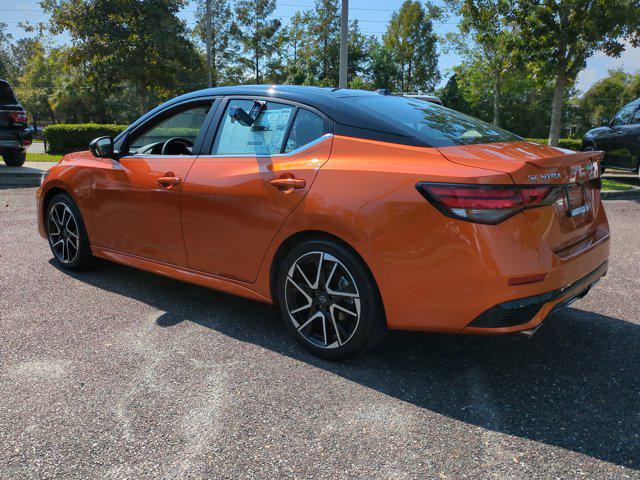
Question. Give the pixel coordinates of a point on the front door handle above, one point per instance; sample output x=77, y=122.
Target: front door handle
x=287, y=183
x=169, y=180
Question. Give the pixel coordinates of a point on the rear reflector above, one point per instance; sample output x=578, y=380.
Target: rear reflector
x=528, y=279
x=488, y=204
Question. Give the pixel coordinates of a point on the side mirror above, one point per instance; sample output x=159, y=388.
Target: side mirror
x=102, y=147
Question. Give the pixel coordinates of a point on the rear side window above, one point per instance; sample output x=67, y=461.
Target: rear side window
x=433, y=124
x=6, y=94
x=264, y=137
x=306, y=128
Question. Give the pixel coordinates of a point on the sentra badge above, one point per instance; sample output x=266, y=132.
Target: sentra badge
x=543, y=177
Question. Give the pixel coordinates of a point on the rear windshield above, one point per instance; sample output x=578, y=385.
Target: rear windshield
x=6, y=94
x=433, y=124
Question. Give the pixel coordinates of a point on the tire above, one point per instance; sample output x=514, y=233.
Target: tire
x=329, y=300
x=70, y=245
x=14, y=158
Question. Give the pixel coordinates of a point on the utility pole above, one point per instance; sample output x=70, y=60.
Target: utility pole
x=208, y=40
x=344, y=44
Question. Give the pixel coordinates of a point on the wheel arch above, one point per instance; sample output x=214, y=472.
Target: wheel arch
x=46, y=200
x=305, y=235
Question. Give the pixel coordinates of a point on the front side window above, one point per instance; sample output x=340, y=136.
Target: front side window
x=636, y=117
x=265, y=136
x=175, y=134
x=623, y=116
x=306, y=128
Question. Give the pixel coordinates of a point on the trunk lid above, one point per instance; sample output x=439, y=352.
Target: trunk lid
x=572, y=217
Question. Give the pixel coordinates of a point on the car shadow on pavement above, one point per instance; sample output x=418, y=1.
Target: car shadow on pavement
x=575, y=384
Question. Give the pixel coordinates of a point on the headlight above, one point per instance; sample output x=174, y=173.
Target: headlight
x=43, y=177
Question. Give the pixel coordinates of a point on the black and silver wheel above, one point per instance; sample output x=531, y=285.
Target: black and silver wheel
x=66, y=234
x=329, y=300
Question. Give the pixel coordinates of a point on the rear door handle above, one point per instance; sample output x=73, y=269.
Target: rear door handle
x=169, y=180
x=288, y=183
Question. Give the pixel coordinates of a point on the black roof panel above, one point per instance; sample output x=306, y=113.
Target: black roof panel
x=333, y=102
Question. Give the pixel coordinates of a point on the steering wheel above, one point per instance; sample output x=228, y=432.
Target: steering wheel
x=183, y=142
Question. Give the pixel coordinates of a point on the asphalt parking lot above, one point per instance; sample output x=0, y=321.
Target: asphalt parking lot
x=117, y=373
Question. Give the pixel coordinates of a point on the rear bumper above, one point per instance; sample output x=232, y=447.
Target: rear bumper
x=528, y=312
x=15, y=139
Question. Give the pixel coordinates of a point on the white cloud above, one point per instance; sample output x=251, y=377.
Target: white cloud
x=599, y=64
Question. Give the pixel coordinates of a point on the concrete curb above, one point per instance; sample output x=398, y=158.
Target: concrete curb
x=26, y=176
x=22, y=179
x=633, y=194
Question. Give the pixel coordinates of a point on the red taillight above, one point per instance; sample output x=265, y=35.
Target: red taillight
x=485, y=203
x=18, y=117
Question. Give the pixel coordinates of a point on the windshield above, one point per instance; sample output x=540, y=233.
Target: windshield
x=6, y=94
x=434, y=124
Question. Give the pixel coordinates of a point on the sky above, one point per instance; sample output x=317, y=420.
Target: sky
x=373, y=16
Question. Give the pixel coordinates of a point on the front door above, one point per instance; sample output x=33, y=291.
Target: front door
x=136, y=200
x=235, y=199
x=616, y=143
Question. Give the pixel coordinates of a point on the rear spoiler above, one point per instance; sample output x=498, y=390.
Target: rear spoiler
x=565, y=160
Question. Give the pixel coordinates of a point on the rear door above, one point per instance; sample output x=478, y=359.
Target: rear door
x=136, y=200
x=236, y=198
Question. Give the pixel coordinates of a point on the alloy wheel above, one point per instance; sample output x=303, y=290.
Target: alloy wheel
x=63, y=232
x=322, y=300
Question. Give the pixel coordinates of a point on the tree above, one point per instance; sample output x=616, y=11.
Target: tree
x=558, y=36
x=35, y=85
x=221, y=40
x=525, y=99
x=410, y=36
x=127, y=42
x=486, y=35
x=452, y=97
x=293, y=49
x=6, y=63
x=256, y=33
x=325, y=27
x=383, y=71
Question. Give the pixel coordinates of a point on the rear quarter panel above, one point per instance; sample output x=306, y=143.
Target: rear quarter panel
x=365, y=194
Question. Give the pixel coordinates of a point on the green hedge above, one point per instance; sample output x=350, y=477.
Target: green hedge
x=64, y=138
x=570, y=143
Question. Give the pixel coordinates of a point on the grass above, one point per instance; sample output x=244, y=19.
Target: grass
x=42, y=157
x=610, y=185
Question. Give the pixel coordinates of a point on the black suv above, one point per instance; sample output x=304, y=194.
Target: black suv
x=14, y=135
x=620, y=139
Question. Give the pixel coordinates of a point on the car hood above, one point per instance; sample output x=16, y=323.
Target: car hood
x=594, y=132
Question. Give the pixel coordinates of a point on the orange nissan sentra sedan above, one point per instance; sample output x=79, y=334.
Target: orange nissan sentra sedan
x=353, y=211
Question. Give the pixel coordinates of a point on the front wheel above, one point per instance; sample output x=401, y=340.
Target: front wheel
x=66, y=233
x=329, y=300
x=14, y=158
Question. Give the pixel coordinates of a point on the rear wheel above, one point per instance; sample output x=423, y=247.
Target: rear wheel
x=329, y=300
x=14, y=158
x=66, y=233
